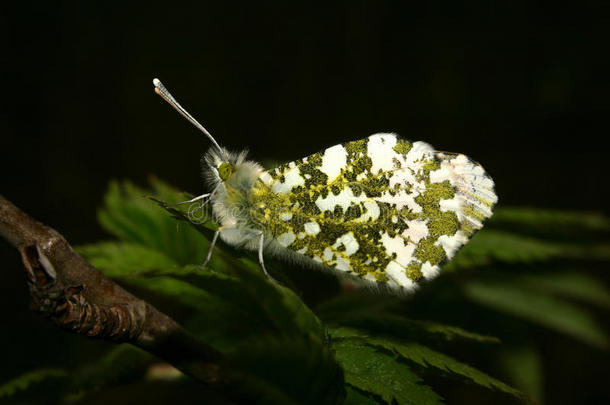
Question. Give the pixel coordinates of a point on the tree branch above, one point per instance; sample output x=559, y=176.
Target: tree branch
x=74, y=295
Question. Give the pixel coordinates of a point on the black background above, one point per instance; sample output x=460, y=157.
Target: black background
x=520, y=87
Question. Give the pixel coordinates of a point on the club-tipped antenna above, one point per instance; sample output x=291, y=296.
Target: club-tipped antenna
x=166, y=95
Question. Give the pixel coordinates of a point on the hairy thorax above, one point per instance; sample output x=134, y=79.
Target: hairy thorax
x=241, y=207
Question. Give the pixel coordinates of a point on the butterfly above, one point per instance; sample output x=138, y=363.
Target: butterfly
x=382, y=209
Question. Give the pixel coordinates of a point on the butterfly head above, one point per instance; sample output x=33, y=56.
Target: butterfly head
x=222, y=166
x=225, y=170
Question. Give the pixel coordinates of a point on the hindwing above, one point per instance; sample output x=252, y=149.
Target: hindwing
x=381, y=208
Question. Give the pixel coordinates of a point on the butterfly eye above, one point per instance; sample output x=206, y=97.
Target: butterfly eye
x=225, y=170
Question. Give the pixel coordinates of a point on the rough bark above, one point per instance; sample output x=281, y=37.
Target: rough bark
x=78, y=298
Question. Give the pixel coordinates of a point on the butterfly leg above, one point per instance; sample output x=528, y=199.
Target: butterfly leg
x=261, y=242
x=211, y=248
x=200, y=197
x=192, y=200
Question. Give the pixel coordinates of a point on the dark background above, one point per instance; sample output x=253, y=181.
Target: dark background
x=520, y=87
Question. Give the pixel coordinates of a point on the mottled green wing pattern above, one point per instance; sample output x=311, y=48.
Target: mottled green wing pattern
x=381, y=208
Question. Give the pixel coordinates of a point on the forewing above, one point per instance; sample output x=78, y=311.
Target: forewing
x=382, y=208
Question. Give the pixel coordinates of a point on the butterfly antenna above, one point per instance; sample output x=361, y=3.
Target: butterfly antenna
x=166, y=95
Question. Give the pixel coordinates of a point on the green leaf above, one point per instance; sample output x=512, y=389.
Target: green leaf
x=535, y=306
x=124, y=259
x=402, y=327
x=424, y=357
x=118, y=365
x=549, y=220
x=25, y=381
x=524, y=367
x=199, y=221
x=570, y=285
x=373, y=371
x=358, y=303
x=357, y=397
x=213, y=318
x=279, y=302
x=131, y=217
x=240, y=305
x=300, y=369
x=381, y=314
x=489, y=245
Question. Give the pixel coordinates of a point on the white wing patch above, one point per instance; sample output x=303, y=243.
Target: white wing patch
x=333, y=161
x=396, y=246
x=286, y=239
x=312, y=228
x=292, y=179
x=417, y=230
x=348, y=241
x=344, y=199
x=379, y=149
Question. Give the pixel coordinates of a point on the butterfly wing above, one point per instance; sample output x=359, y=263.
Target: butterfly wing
x=381, y=208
